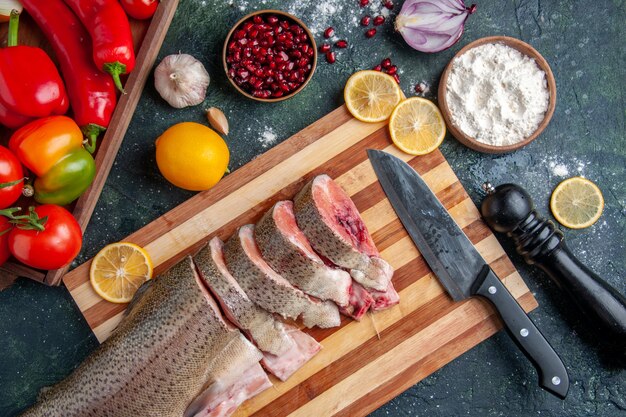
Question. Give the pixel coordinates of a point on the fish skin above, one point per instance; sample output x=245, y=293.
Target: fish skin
x=285, y=348
x=268, y=289
x=168, y=348
x=367, y=269
x=269, y=334
x=299, y=264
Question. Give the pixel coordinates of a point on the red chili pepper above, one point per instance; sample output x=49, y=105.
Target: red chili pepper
x=111, y=39
x=140, y=9
x=31, y=84
x=91, y=93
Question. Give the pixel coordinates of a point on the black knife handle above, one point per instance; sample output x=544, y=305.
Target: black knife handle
x=552, y=373
x=509, y=209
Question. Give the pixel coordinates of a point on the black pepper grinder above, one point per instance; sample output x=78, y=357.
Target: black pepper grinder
x=509, y=209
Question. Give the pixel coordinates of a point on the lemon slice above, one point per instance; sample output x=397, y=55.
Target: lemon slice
x=118, y=270
x=416, y=126
x=371, y=96
x=577, y=203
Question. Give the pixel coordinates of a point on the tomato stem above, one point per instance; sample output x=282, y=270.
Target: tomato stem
x=30, y=221
x=11, y=183
x=14, y=21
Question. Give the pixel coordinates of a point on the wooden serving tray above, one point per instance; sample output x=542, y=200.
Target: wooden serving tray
x=148, y=37
x=362, y=364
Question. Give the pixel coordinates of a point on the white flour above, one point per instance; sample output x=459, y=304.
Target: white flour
x=496, y=94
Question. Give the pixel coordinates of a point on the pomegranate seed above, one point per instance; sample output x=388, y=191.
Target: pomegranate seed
x=379, y=20
x=272, y=20
x=277, y=93
x=330, y=57
x=247, y=26
x=240, y=34
x=257, y=19
x=388, y=4
x=386, y=63
x=284, y=24
x=396, y=77
x=365, y=20
x=364, y=3
x=377, y=68
x=341, y=44
x=324, y=48
x=392, y=70
x=370, y=33
x=329, y=32
x=302, y=62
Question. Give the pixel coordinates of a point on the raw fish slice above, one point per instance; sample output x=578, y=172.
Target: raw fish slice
x=288, y=252
x=268, y=334
x=221, y=398
x=335, y=229
x=173, y=342
x=268, y=289
x=360, y=301
x=384, y=299
x=285, y=347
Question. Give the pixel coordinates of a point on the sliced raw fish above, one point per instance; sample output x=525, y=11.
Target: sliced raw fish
x=360, y=301
x=384, y=299
x=172, y=345
x=335, y=229
x=270, y=290
x=287, y=250
x=285, y=347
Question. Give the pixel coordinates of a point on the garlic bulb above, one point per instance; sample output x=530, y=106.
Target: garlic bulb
x=181, y=80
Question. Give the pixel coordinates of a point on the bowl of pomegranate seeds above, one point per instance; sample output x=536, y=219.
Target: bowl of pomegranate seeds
x=269, y=55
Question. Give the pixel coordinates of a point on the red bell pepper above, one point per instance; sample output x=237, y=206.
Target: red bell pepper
x=111, y=38
x=31, y=84
x=140, y=9
x=91, y=93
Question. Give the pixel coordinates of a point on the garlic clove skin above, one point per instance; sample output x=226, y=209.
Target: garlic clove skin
x=181, y=80
x=217, y=120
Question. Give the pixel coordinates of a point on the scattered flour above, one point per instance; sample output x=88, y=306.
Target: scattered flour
x=268, y=137
x=496, y=94
x=560, y=170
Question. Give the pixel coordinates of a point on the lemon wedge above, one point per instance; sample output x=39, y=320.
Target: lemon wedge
x=416, y=126
x=118, y=270
x=577, y=203
x=371, y=96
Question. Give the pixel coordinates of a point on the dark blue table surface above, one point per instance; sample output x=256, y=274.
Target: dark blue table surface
x=43, y=336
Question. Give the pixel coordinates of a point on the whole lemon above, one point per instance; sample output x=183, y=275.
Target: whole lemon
x=192, y=156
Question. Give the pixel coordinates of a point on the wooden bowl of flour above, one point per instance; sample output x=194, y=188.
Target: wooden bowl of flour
x=525, y=49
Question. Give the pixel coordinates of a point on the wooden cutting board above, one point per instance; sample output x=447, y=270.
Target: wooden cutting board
x=362, y=365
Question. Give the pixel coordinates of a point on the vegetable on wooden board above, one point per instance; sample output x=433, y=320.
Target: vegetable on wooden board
x=52, y=148
x=111, y=38
x=91, y=92
x=31, y=84
x=432, y=25
x=140, y=9
x=48, y=237
x=11, y=178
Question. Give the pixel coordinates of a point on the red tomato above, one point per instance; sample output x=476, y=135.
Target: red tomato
x=52, y=248
x=10, y=172
x=4, y=239
x=140, y=9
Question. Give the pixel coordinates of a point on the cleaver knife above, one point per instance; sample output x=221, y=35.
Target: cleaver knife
x=458, y=265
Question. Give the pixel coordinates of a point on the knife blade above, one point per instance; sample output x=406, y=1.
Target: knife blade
x=459, y=267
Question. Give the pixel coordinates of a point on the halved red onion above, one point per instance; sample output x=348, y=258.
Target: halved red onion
x=432, y=25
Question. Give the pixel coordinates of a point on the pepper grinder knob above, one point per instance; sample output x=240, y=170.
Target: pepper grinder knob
x=509, y=209
x=506, y=206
